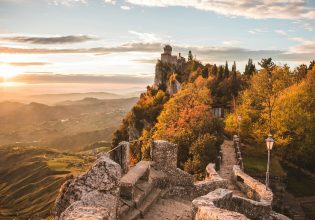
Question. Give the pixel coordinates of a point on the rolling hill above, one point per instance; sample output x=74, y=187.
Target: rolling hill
x=70, y=125
x=30, y=178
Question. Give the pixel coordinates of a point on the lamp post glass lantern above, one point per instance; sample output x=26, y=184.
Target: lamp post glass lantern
x=269, y=142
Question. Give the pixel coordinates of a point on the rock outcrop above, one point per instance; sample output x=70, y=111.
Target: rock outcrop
x=93, y=195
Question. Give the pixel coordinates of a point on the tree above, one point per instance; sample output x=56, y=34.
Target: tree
x=220, y=73
x=226, y=70
x=205, y=72
x=185, y=118
x=215, y=70
x=235, y=84
x=190, y=56
x=300, y=73
x=250, y=68
x=294, y=121
x=267, y=64
x=234, y=68
x=259, y=101
x=312, y=64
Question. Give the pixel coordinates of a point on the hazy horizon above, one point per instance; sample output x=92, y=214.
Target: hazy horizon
x=90, y=42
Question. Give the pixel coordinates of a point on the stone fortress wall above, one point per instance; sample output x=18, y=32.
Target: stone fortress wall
x=96, y=194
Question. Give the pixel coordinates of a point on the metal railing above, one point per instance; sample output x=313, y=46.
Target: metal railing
x=237, y=144
x=117, y=153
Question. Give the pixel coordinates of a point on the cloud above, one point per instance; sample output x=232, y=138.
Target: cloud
x=257, y=9
x=125, y=7
x=308, y=27
x=305, y=46
x=258, y=30
x=204, y=53
x=231, y=43
x=49, y=40
x=68, y=2
x=281, y=32
x=113, y=2
x=146, y=61
x=24, y=63
x=47, y=77
x=128, y=47
x=146, y=37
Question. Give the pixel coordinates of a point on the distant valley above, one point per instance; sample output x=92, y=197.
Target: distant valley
x=68, y=125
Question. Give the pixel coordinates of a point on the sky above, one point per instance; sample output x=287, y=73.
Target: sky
x=116, y=43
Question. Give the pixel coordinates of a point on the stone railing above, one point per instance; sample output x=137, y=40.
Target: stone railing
x=181, y=183
x=221, y=204
x=251, y=187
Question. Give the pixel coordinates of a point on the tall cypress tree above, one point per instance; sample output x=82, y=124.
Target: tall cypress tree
x=250, y=68
x=215, y=70
x=234, y=83
x=190, y=56
x=226, y=70
x=234, y=69
x=312, y=64
x=220, y=73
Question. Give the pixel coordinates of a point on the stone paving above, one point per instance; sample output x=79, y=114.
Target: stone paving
x=228, y=161
x=170, y=209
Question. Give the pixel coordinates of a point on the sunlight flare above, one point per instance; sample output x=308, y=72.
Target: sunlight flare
x=7, y=71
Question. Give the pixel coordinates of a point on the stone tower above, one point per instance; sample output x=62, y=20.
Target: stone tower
x=168, y=50
x=167, y=57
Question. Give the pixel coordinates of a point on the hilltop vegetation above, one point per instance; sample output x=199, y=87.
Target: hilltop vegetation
x=68, y=126
x=185, y=118
x=289, y=99
x=30, y=178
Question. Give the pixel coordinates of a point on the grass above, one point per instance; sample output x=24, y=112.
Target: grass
x=299, y=184
x=255, y=162
x=30, y=178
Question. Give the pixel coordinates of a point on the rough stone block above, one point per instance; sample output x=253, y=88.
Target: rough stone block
x=128, y=181
x=99, y=183
x=164, y=155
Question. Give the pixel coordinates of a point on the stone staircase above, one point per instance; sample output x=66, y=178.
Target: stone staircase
x=141, y=187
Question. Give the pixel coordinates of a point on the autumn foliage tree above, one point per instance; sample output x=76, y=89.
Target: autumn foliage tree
x=187, y=120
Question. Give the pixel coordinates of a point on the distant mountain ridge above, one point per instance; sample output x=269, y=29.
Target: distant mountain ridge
x=70, y=124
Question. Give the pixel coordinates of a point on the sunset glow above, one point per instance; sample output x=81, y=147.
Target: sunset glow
x=7, y=71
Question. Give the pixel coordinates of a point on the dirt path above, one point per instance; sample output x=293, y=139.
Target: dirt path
x=170, y=209
x=228, y=161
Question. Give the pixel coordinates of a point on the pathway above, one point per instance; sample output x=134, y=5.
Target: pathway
x=228, y=161
x=170, y=209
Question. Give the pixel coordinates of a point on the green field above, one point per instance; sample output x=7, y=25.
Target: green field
x=255, y=162
x=30, y=178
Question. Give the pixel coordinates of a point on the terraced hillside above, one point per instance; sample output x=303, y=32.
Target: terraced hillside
x=30, y=178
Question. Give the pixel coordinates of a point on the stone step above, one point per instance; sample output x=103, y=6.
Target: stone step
x=142, y=190
x=131, y=213
x=150, y=199
x=127, y=183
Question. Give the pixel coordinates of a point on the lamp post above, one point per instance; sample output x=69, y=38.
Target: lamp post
x=269, y=142
x=239, y=118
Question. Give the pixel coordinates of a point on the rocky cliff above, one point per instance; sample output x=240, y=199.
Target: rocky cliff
x=93, y=195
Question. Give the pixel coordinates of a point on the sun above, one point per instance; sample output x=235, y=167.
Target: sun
x=7, y=71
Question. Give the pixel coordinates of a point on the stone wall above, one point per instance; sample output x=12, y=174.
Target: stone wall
x=251, y=187
x=164, y=157
x=212, y=181
x=222, y=204
x=121, y=156
x=93, y=195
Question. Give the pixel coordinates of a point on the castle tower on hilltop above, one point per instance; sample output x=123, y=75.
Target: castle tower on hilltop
x=167, y=57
